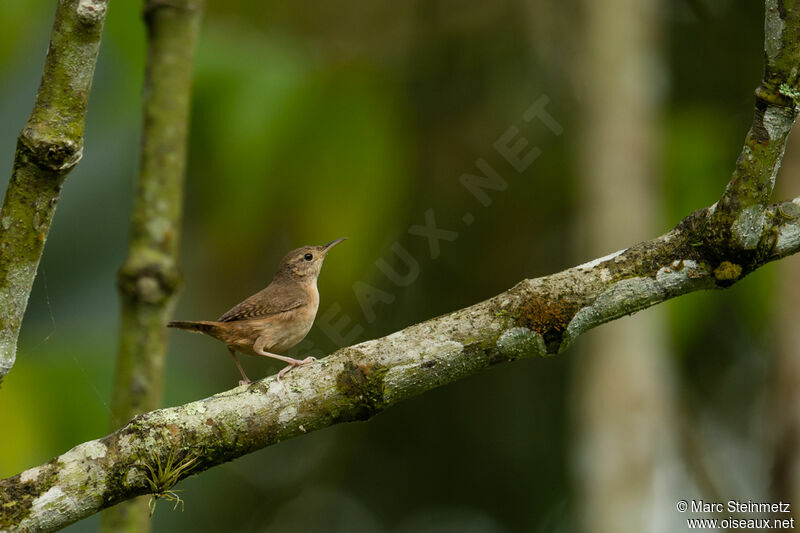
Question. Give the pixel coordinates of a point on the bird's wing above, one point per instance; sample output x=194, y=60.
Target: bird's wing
x=270, y=301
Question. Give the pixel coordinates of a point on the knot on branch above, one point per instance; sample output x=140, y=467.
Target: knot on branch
x=548, y=318
x=91, y=12
x=732, y=243
x=778, y=90
x=50, y=151
x=150, y=283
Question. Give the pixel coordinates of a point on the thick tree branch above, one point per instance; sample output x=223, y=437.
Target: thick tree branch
x=50, y=145
x=537, y=317
x=149, y=278
x=711, y=248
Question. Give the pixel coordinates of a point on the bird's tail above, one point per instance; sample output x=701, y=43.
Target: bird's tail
x=199, y=326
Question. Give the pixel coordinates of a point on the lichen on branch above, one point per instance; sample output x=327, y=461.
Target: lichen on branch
x=149, y=279
x=712, y=248
x=740, y=213
x=535, y=318
x=50, y=145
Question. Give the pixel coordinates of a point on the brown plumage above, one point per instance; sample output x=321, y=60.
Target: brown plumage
x=276, y=318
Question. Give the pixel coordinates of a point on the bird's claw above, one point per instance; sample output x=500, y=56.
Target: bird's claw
x=294, y=364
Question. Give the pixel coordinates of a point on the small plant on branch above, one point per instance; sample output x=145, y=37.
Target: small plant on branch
x=163, y=476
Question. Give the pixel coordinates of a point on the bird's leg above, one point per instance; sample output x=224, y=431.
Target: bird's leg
x=244, y=379
x=258, y=347
x=294, y=363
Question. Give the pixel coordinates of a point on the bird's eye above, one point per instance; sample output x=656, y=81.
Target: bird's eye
x=308, y=257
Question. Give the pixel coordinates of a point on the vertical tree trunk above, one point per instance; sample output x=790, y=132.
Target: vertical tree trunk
x=623, y=385
x=149, y=278
x=49, y=147
x=784, y=383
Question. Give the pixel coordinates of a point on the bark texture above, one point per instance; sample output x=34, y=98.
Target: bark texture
x=541, y=316
x=49, y=147
x=711, y=248
x=150, y=277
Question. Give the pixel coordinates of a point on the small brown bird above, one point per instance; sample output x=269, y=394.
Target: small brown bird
x=276, y=318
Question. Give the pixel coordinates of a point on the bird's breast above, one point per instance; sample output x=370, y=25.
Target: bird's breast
x=285, y=330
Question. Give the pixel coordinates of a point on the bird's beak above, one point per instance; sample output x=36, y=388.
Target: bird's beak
x=331, y=244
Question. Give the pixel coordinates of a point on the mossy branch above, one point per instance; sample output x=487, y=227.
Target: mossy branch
x=50, y=145
x=740, y=212
x=149, y=279
x=536, y=317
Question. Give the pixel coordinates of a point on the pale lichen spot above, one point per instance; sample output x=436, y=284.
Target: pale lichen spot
x=778, y=121
x=521, y=342
x=275, y=387
x=52, y=498
x=287, y=414
x=158, y=228
x=773, y=30
x=195, y=408
x=395, y=336
x=87, y=451
x=30, y=474
x=149, y=289
x=788, y=239
x=687, y=273
x=8, y=350
x=132, y=476
x=748, y=226
x=95, y=449
x=441, y=348
x=92, y=11
x=594, y=262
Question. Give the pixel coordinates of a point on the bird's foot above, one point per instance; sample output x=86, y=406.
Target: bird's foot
x=295, y=363
x=244, y=382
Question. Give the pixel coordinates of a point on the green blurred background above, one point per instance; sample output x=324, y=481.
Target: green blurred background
x=314, y=121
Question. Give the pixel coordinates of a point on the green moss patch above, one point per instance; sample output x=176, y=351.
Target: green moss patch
x=17, y=497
